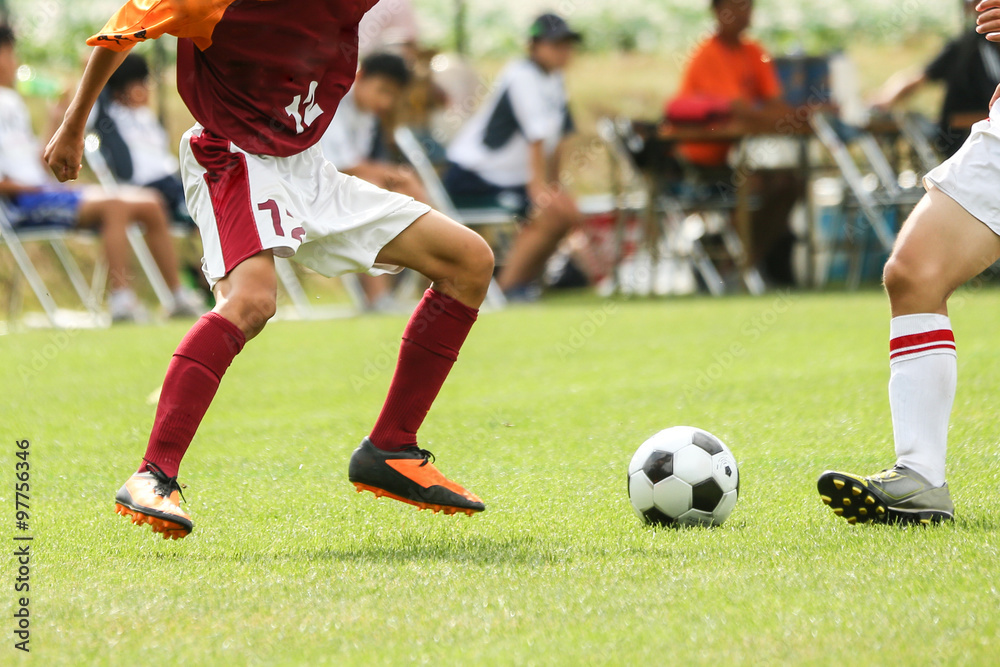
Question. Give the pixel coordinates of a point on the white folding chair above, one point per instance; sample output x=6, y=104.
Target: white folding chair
x=54, y=237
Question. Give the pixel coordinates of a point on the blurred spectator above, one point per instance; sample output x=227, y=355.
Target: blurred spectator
x=355, y=140
x=969, y=68
x=355, y=144
x=38, y=200
x=508, y=153
x=734, y=73
x=133, y=142
x=730, y=71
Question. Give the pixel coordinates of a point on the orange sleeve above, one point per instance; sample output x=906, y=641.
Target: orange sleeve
x=139, y=20
x=768, y=85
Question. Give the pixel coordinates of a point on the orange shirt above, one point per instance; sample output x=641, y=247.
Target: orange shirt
x=743, y=72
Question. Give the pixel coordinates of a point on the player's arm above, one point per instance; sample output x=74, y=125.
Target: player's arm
x=64, y=152
x=899, y=87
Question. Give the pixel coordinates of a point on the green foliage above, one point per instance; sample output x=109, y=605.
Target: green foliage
x=287, y=565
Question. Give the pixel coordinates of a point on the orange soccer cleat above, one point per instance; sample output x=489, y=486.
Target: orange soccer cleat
x=152, y=497
x=410, y=477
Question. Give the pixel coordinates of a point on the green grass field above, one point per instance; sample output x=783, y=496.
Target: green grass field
x=288, y=565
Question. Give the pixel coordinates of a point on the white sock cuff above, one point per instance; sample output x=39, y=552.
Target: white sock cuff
x=915, y=336
x=907, y=325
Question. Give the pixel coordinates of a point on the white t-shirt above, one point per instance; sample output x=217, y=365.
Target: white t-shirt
x=351, y=136
x=147, y=141
x=528, y=105
x=20, y=152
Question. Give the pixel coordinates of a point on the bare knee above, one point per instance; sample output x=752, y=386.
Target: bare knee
x=249, y=308
x=475, y=268
x=915, y=285
x=558, y=217
x=248, y=296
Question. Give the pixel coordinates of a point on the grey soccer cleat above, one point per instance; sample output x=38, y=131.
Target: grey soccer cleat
x=896, y=495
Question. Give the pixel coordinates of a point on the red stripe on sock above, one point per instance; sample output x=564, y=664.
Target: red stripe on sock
x=434, y=335
x=938, y=335
x=918, y=350
x=192, y=379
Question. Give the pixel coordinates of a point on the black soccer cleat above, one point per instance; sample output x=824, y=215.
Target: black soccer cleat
x=410, y=477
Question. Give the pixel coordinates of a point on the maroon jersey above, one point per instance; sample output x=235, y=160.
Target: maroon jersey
x=267, y=75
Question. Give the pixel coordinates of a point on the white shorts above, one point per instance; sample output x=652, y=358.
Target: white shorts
x=298, y=206
x=972, y=175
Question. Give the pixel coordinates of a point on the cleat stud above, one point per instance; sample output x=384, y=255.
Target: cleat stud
x=847, y=502
x=826, y=499
x=869, y=500
x=852, y=520
x=839, y=483
x=863, y=511
x=880, y=510
x=838, y=511
x=856, y=490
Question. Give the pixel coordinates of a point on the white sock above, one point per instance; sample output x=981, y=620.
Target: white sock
x=923, y=374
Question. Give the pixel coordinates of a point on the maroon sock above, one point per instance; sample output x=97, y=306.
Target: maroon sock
x=431, y=342
x=192, y=379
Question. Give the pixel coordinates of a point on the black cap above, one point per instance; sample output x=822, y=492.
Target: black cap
x=553, y=28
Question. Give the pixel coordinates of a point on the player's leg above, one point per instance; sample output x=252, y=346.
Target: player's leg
x=245, y=301
x=940, y=247
x=460, y=264
x=550, y=222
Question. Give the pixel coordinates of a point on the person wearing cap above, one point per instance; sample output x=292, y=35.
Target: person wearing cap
x=507, y=154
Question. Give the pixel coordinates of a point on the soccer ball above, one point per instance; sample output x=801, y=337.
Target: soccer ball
x=681, y=476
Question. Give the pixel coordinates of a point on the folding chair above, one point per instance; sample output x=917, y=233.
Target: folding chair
x=55, y=237
x=876, y=199
x=911, y=126
x=674, y=212
x=497, y=217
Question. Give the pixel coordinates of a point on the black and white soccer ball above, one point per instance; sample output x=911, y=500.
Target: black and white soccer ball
x=682, y=476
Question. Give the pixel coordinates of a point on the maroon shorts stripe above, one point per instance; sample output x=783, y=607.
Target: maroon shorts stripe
x=936, y=336
x=917, y=350
x=229, y=189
